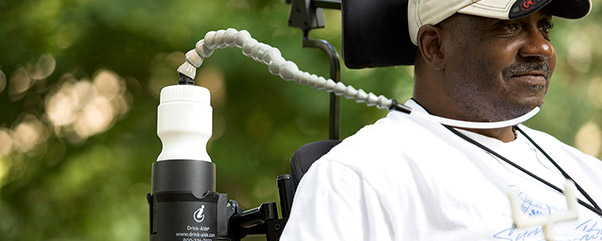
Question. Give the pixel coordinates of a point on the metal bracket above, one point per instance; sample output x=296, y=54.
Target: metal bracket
x=308, y=15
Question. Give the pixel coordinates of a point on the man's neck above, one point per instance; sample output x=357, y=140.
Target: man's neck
x=505, y=134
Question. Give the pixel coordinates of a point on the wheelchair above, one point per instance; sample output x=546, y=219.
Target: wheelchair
x=367, y=42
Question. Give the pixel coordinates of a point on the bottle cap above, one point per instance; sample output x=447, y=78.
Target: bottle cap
x=185, y=93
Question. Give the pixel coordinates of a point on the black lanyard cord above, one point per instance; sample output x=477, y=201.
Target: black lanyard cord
x=594, y=208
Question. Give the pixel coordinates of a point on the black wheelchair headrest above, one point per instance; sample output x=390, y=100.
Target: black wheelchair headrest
x=375, y=33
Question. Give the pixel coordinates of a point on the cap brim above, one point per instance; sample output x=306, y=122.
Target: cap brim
x=570, y=9
x=511, y=9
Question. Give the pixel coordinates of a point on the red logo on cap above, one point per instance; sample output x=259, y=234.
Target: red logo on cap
x=527, y=4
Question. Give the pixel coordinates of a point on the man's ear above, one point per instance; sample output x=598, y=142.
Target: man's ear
x=429, y=46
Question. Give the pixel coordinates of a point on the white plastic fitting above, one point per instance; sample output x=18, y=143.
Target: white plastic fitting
x=184, y=123
x=194, y=58
x=187, y=69
x=202, y=49
x=546, y=221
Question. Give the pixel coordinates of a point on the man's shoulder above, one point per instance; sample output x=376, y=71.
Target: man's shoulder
x=394, y=129
x=546, y=139
x=394, y=138
x=557, y=147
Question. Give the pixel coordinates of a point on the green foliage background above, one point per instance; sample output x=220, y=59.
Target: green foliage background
x=57, y=184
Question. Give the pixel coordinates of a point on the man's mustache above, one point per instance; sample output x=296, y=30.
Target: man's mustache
x=522, y=68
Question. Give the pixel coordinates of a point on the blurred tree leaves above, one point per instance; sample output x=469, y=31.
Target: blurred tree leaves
x=87, y=179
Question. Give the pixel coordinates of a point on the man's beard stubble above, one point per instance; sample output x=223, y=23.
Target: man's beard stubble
x=501, y=109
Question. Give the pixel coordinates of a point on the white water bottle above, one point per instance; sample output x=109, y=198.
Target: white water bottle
x=184, y=123
x=183, y=201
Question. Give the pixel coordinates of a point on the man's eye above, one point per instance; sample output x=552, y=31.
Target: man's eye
x=546, y=28
x=511, y=27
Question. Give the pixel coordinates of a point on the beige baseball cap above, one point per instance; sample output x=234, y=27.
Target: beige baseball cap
x=422, y=12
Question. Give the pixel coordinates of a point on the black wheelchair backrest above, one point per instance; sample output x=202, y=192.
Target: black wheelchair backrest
x=375, y=33
x=306, y=155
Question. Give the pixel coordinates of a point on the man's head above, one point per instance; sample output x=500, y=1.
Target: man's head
x=483, y=62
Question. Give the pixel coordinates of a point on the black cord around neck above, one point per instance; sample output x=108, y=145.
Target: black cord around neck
x=595, y=208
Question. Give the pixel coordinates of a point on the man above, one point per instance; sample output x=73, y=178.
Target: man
x=404, y=178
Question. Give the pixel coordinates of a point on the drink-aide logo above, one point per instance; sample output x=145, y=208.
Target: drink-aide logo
x=527, y=4
x=198, y=215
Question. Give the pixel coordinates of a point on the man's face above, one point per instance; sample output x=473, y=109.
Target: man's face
x=497, y=69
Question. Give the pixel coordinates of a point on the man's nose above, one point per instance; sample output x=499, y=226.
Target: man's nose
x=536, y=45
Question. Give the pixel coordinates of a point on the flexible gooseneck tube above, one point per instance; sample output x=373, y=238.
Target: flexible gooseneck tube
x=289, y=71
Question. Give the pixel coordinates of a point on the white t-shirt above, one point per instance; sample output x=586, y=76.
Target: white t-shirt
x=408, y=179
